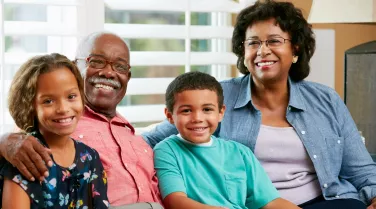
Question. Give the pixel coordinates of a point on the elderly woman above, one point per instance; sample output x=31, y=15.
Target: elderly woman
x=301, y=131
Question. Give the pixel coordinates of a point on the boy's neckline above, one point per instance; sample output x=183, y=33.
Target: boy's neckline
x=206, y=144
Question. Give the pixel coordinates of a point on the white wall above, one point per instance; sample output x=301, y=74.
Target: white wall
x=323, y=60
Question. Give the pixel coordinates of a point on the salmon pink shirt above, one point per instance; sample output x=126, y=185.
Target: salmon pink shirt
x=127, y=159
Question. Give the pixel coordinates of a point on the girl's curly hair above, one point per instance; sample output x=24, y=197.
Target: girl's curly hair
x=23, y=88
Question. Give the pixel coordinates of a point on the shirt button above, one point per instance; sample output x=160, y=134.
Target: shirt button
x=146, y=150
x=337, y=196
x=81, y=136
x=289, y=108
x=315, y=156
x=126, y=165
x=303, y=132
x=325, y=185
x=339, y=141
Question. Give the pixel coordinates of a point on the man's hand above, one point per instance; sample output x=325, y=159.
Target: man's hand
x=27, y=154
x=373, y=204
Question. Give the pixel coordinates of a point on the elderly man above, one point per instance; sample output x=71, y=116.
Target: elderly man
x=103, y=59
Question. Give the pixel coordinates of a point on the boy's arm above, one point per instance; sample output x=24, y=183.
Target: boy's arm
x=179, y=200
x=168, y=172
x=14, y=197
x=280, y=203
x=261, y=193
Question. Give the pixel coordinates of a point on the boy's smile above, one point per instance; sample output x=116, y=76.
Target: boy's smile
x=196, y=114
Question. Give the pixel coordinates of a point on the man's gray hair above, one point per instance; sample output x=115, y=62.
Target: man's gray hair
x=86, y=45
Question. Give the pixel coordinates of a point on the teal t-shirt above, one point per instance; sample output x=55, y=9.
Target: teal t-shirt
x=226, y=173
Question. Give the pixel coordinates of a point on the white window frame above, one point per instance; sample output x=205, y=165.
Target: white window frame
x=2, y=79
x=91, y=18
x=219, y=30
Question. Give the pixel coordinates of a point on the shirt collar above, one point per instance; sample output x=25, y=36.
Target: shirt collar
x=205, y=144
x=245, y=94
x=296, y=99
x=118, y=119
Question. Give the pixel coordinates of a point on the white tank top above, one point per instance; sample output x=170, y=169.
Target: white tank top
x=287, y=163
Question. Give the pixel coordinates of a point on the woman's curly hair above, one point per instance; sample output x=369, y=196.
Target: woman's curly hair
x=24, y=86
x=290, y=20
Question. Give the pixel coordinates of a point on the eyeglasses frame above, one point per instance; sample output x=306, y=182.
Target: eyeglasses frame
x=107, y=62
x=267, y=42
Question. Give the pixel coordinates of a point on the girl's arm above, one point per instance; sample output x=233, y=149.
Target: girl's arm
x=179, y=200
x=14, y=197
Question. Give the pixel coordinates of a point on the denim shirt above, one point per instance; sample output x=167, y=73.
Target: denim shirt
x=343, y=165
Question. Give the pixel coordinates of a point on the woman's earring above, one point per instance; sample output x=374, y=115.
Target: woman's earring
x=245, y=64
x=294, y=59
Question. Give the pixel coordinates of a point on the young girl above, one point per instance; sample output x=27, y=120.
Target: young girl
x=46, y=101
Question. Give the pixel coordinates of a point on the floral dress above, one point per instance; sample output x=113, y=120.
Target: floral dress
x=83, y=185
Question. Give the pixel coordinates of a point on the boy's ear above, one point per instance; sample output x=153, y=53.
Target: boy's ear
x=169, y=116
x=222, y=112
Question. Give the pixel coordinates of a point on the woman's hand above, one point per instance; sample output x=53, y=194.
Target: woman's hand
x=373, y=204
x=27, y=154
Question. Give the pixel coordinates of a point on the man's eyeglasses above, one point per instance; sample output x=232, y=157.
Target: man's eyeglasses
x=271, y=42
x=99, y=62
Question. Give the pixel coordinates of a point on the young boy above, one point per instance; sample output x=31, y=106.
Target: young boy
x=198, y=170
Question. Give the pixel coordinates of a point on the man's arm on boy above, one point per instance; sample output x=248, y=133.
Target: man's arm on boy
x=179, y=200
x=25, y=153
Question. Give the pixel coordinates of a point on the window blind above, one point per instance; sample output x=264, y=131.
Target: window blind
x=166, y=38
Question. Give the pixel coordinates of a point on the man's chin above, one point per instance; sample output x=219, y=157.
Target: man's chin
x=102, y=102
x=97, y=105
x=101, y=105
